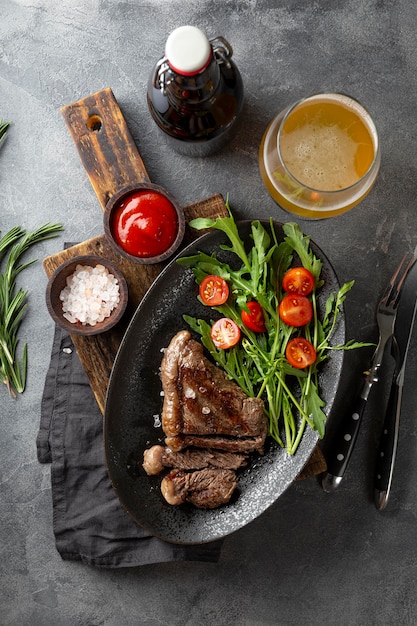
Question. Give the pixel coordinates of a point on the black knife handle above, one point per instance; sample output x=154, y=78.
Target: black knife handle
x=341, y=447
x=387, y=449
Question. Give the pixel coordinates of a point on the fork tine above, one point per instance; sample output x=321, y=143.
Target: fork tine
x=405, y=272
x=392, y=292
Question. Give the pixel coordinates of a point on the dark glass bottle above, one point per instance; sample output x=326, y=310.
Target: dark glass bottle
x=195, y=92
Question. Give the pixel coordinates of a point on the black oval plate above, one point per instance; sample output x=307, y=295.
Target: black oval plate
x=134, y=404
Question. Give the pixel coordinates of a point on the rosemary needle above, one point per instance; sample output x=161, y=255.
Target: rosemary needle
x=3, y=129
x=13, y=301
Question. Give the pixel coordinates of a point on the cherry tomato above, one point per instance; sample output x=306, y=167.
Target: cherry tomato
x=214, y=290
x=225, y=333
x=145, y=223
x=295, y=310
x=298, y=280
x=300, y=353
x=254, y=319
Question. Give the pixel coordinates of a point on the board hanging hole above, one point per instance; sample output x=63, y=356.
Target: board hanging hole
x=94, y=123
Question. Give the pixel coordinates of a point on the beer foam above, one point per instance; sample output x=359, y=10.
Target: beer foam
x=322, y=158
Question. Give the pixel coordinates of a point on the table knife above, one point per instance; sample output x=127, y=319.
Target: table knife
x=389, y=436
x=344, y=439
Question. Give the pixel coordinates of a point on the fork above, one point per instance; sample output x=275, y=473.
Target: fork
x=345, y=438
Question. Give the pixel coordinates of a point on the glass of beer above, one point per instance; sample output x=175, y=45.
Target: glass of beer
x=320, y=157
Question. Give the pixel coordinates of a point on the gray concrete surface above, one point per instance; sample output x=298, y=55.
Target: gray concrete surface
x=312, y=558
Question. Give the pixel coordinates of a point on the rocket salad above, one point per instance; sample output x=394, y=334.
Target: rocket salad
x=271, y=358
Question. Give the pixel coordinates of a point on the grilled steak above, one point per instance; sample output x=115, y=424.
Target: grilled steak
x=200, y=401
x=231, y=444
x=205, y=489
x=157, y=458
x=210, y=426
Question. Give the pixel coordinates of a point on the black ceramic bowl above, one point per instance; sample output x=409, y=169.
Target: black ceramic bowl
x=57, y=282
x=123, y=195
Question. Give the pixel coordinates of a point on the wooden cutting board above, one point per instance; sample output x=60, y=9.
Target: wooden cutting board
x=111, y=160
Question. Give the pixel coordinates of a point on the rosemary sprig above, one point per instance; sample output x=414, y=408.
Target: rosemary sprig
x=3, y=129
x=13, y=301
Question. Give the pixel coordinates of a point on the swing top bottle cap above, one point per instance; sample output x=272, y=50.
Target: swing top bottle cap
x=188, y=50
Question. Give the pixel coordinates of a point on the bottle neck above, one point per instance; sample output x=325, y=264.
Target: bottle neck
x=192, y=89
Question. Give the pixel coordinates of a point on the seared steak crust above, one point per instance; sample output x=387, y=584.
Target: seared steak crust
x=205, y=489
x=200, y=400
x=244, y=444
x=210, y=427
x=157, y=458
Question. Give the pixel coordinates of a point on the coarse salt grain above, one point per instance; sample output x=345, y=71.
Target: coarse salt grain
x=90, y=295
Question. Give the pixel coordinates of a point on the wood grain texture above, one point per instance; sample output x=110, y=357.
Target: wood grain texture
x=104, y=143
x=97, y=353
x=111, y=161
x=315, y=466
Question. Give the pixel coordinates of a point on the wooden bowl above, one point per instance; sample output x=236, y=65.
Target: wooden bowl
x=57, y=282
x=114, y=203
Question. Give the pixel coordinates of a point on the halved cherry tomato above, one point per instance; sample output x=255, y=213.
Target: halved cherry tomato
x=254, y=318
x=300, y=352
x=225, y=333
x=295, y=310
x=298, y=280
x=213, y=290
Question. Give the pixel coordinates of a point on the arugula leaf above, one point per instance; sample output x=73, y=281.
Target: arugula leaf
x=258, y=364
x=332, y=312
x=228, y=226
x=203, y=265
x=301, y=244
x=314, y=405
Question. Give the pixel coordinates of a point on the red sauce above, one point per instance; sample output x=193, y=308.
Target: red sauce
x=144, y=223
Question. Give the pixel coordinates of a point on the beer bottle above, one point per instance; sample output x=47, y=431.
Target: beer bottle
x=195, y=92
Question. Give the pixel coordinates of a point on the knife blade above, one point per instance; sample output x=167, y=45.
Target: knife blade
x=388, y=443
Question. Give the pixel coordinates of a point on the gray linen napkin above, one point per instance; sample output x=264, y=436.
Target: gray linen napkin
x=90, y=525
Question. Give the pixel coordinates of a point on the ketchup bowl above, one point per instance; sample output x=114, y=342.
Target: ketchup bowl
x=144, y=223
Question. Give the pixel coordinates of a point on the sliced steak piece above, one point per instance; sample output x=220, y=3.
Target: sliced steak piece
x=205, y=489
x=156, y=458
x=200, y=400
x=214, y=442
